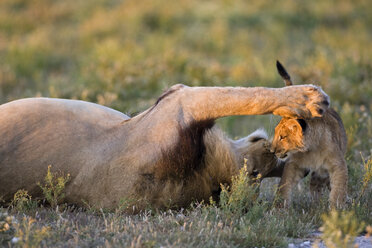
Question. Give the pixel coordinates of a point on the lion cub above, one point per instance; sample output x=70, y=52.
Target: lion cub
x=318, y=144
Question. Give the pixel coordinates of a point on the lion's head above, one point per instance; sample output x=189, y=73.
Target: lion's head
x=258, y=157
x=289, y=137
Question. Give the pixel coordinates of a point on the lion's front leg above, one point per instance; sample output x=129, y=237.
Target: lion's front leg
x=292, y=174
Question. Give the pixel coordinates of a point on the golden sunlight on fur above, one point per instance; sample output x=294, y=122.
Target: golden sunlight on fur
x=166, y=156
x=318, y=144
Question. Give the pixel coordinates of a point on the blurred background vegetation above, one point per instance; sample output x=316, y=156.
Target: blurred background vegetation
x=123, y=54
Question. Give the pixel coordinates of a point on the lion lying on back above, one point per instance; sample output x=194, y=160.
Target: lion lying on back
x=318, y=144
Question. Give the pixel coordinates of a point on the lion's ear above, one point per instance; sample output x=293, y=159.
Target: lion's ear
x=293, y=126
x=257, y=135
x=303, y=124
x=267, y=145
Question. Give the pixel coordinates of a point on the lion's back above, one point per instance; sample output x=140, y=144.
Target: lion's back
x=336, y=127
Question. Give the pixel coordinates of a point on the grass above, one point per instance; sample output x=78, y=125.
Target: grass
x=240, y=220
x=123, y=54
x=340, y=228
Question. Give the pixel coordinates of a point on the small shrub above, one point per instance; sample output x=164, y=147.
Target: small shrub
x=241, y=195
x=54, y=187
x=340, y=228
x=22, y=201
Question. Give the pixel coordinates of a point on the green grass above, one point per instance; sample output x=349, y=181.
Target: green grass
x=123, y=54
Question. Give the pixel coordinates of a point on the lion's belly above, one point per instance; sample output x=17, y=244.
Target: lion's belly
x=313, y=161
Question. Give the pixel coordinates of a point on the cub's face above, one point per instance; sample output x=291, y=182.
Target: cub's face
x=259, y=158
x=289, y=137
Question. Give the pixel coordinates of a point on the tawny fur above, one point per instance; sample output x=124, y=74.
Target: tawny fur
x=223, y=158
x=168, y=155
x=318, y=144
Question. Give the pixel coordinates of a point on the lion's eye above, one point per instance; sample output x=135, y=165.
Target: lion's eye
x=281, y=137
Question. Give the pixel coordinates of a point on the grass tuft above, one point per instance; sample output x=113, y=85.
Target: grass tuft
x=53, y=187
x=241, y=195
x=22, y=201
x=340, y=229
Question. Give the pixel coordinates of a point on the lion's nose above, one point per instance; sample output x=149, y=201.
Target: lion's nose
x=255, y=173
x=282, y=155
x=323, y=107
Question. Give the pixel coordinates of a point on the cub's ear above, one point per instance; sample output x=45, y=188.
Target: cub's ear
x=257, y=135
x=303, y=124
x=283, y=73
x=293, y=126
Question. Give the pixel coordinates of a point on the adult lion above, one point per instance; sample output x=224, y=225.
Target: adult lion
x=168, y=154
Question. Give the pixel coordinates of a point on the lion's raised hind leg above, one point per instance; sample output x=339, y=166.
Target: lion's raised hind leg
x=204, y=103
